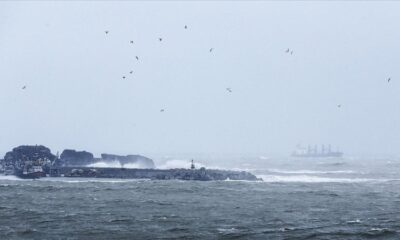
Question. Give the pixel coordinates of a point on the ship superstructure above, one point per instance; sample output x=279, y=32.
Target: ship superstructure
x=310, y=152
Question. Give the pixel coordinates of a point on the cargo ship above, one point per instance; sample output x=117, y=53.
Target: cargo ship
x=314, y=152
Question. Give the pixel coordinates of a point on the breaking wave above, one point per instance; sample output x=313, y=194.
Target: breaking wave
x=178, y=163
x=90, y=180
x=114, y=164
x=10, y=178
x=316, y=179
x=308, y=171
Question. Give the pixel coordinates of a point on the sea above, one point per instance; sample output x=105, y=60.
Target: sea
x=347, y=198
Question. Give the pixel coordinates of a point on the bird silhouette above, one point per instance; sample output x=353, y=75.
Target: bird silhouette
x=131, y=42
x=137, y=58
x=24, y=87
x=162, y=110
x=389, y=79
x=291, y=52
x=123, y=77
x=211, y=49
x=229, y=89
x=131, y=72
x=185, y=27
x=339, y=105
x=160, y=39
x=287, y=50
x=106, y=31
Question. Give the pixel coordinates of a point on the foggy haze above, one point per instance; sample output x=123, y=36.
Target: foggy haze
x=76, y=97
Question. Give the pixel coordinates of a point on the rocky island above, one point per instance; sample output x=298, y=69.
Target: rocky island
x=38, y=161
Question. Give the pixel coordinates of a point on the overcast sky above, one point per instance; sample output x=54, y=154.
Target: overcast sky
x=76, y=97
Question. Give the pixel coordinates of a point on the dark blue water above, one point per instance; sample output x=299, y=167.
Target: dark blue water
x=321, y=201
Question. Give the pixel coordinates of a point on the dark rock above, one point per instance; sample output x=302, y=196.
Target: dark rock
x=71, y=157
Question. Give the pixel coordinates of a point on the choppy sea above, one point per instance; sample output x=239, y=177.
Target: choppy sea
x=306, y=199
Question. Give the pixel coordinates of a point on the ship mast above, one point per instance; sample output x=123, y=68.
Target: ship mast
x=192, y=165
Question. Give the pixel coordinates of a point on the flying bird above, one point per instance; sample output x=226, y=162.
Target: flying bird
x=24, y=87
x=131, y=42
x=106, y=31
x=137, y=58
x=339, y=105
x=211, y=49
x=131, y=72
x=185, y=27
x=291, y=52
x=389, y=79
x=123, y=77
x=229, y=89
x=287, y=50
x=160, y=39
x=162, y=110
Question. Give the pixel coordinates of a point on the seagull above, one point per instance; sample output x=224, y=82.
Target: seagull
x=131, y=72
x=185, y=27
x=106, y=31
x=131, y=42
x=160, y=39
x=24, y=87
x=389, y=79
x=287, y=50
x=137, y=58
x=162, y=110
x=229, y=89
x=123, y=77
x=211, y=49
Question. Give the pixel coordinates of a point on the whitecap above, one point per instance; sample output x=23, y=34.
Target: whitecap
x=354, y=221
x=114, y=164
x=90, y=180
x=317, y=179
x=308, y=171
x=227, y=230
x=10, y=178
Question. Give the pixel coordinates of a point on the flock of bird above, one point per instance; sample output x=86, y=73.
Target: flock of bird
x=289, y=51
x=228, y=89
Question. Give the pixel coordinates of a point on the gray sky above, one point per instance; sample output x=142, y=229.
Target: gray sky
x=75, y=96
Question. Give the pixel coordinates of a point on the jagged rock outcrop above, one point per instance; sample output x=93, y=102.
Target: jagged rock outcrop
x=37, y=155
x=138, y=160
x=70, y=157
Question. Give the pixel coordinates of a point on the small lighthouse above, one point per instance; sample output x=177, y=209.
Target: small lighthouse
x=192, y=165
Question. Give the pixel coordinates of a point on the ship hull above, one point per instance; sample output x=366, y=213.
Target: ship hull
x=34, y=175
x=331, y=155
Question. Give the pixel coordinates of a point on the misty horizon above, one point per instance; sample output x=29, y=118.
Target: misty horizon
x=80, y=94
